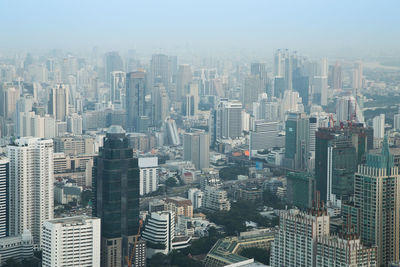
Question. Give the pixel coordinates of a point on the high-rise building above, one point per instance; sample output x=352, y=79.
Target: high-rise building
x=16, y=247
x=159, y=232
x=160, y=104
x=59, y=102
x=183, y=79
x=71, y=241
x=320, y=90
x=8, y=101
x=113, y=62
x=148, y=175
x=300, y=189
x=295, y=241
x=378, y=123
x=357, y=76
x=135, y=99
x=4, y=196
x=191, y=100
x=253, y=87
x=396, y=122
x=265, y=136
x=301, y=84
x=172, y=133
x=296, y=141
x=116, y=197
x=31, y=197
x=118, y=87
x=196, y=148
x=159, y=70
x=196, y=196
x=338, y=152
x=335, y=76
x=229, y=119
x=348, y=110
x=377, y=196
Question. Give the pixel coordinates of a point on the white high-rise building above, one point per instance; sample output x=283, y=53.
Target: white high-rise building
x=291, y=102
x=229, y=119
x=378, y=123
x=196, y=196
x=4, y=176
x=148, y=175
x=75, y=124
x=118, y=87
x=159, y=232
x=320, y=90
x=396, y=122
x=72, y=241
x=348, y=110
x=59, y=102
x=295, y=242
x=30, y=185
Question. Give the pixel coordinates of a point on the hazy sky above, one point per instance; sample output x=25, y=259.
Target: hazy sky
x=351, y=26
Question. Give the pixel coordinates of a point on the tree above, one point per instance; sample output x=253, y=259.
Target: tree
x=231, y=173
x=86, y=195
x=171, y=182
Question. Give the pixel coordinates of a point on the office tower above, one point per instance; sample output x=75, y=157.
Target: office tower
x=320, y=90
x=338, y=152
x=229, y=119
x=4, y=196
x=191, y=100
x=278, y=64
x=116, y=196
x=135, y=99
x=159, y=70
x=259, y=107
x=118, y=87
x=301, y=85
x=347, y=110
x=159, y=232
x=58, y=102
x=295, y=241
x=265, y=136
x=183, y=78
x=71, y=241
x=113, y=62
x=173, y=67
x=335, y=76
x=196, y=196
x=396, y=122
x=377, y=196
x=8, y=101
x=196, y=148
x=31, y=185
x=300, y=189
x=279, y=87
x=172, y=133
x=253, y=87
x=378, y=123
x=160, y=104
x=148, y=175
x=357, y=76
x=296, y=141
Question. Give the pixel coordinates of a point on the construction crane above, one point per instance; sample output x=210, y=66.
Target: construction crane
x=130, y=259
x=331, y=121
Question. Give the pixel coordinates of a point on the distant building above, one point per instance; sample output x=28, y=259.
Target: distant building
x=215, y=199
x=300, y=189
x=71, y=241
x=181, y=206
x=196, y=196
x=148, y=175
x=4, y=193
x=196, y=148
x=229, y=119
x=379, y=126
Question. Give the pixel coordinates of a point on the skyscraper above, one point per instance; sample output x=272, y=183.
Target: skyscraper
x=229, y=119
x=335, y=76
x=4, y=196
x=183, y=78
x=31, y=185
x=113, y=62
x=296, y=144
x=71, y=241
x=160, y=104
x=196, y=148
x=159, y=70
x=118, y=87
x=59, y=102
x=378, y=123
x=135, y=99
x=357, y=76
x=116, y=197
x=377, y=196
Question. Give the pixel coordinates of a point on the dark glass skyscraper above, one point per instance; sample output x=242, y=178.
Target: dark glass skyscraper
x=116, y=196
x=135, y=100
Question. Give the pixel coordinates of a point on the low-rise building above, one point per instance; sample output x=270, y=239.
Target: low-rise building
x=16, y=247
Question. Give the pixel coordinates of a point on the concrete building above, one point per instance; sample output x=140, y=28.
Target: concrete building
x=31, y=197
x=196, y=148
x=71, y=241
x=229, y=119
x=118, y=88
x=215, y=199
x=378, y=123
x=159, y=232
x=17, y=247
x=59, y=102
x=196, y=196
x=266, y=135
x=300, y=189
x=135, y=99
x=376, y=195
x=296, y=239
x=148, y=175
x=4, y=196
x=180, y=206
